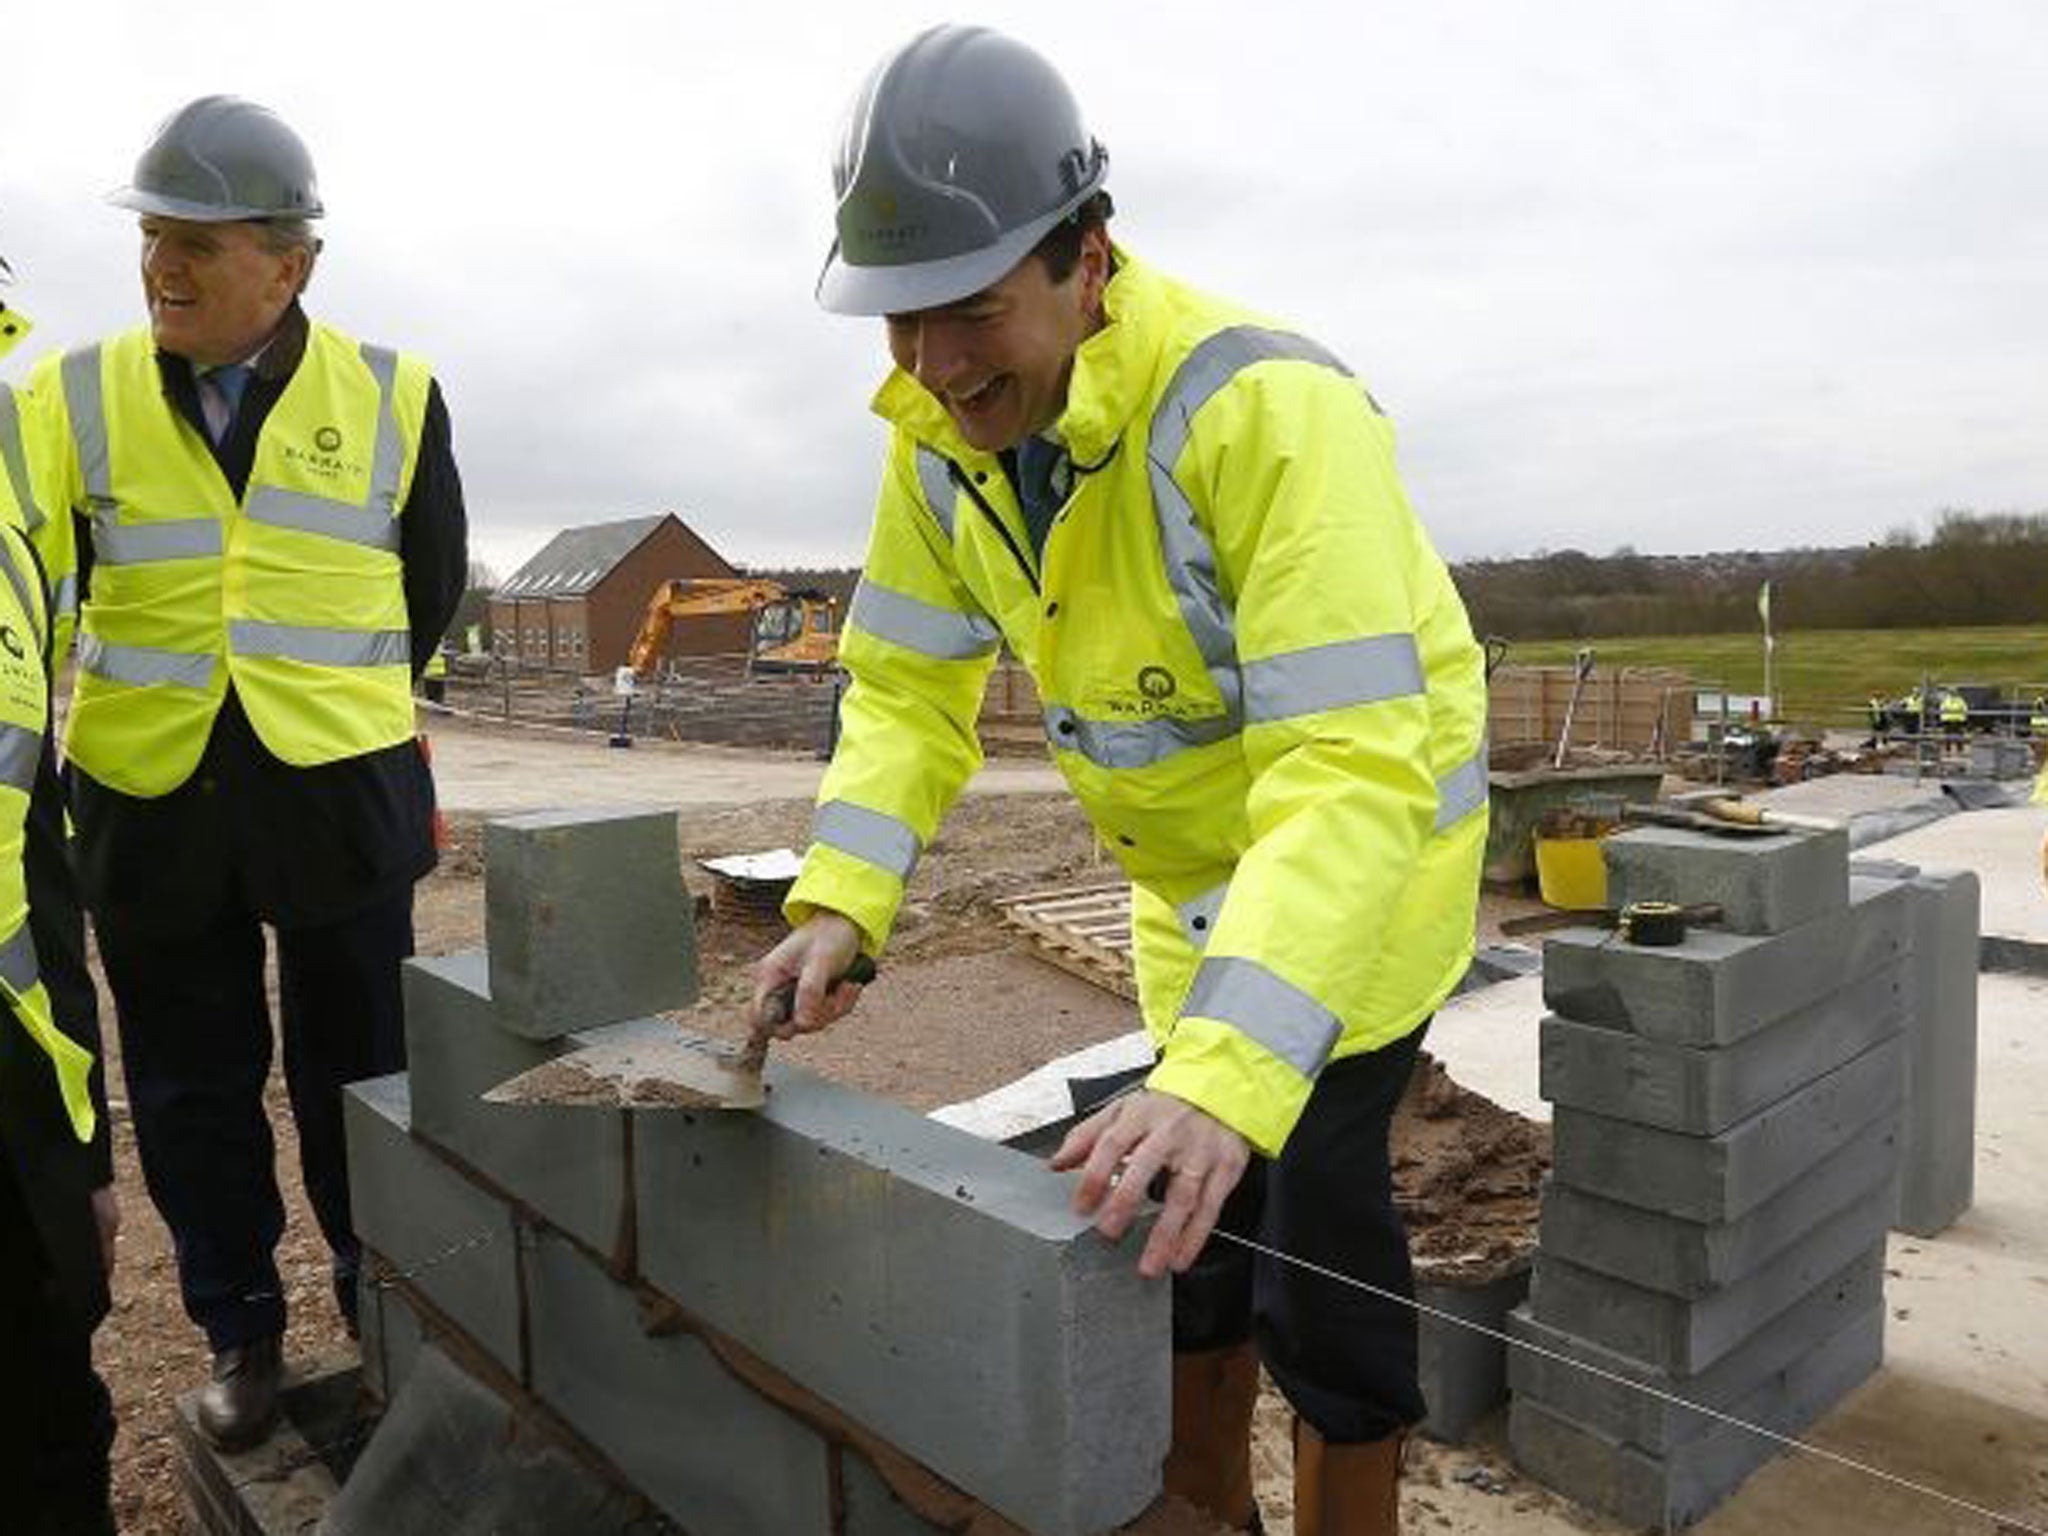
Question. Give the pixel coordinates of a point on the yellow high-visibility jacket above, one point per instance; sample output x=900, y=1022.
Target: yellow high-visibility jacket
x=1257, y=678
x=24, y=718
x=294, y=593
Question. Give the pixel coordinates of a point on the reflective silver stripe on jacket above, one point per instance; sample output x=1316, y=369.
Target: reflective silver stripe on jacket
x=186, y=538
x=920, y=626
x=1319, y=677
x=141, y=665
x=18, y=966
x=937, y=485
x=1463, y=790
x=372, y=526
x=1275, y=1013
x=1198, y=915
x=321, y=647
x=81, y=370
x=21, y=575
x=20, y=750
x=383, y=366
x=16, y=462
x=1131, y=743
x=871, y=836
x=64, y=600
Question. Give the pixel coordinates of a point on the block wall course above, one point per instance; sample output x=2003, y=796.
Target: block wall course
x=1938, y=1150
x=934, y=1287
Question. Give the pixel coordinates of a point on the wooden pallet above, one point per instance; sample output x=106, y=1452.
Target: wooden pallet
x=1085, y=930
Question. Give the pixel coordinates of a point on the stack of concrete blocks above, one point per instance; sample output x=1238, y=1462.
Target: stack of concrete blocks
x=829, y=1317
x=1728, y=1120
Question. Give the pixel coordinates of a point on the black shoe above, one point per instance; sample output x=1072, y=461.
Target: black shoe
x=238, y=1408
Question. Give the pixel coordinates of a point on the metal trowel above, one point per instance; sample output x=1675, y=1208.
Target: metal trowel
x=670, y=1071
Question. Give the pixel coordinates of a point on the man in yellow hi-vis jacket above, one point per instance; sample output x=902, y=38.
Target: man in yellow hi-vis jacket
x=265, y=529
x=58, y=1213
x=1258, y=679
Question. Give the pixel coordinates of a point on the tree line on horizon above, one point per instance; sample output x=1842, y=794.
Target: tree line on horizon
x=1974, y=568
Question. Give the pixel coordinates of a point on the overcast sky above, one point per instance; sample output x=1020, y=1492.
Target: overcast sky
x=1678, y=277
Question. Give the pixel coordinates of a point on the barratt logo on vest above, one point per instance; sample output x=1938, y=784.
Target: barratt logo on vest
x=325, y=459
x=1156, y=692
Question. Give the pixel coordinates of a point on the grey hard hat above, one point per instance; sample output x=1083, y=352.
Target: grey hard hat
x=962, y=149
x=221, y=158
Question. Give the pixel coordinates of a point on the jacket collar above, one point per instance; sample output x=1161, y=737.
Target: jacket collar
x=276, y=360
x=1111, y=371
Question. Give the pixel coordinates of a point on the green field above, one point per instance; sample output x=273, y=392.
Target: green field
x=1824, y=676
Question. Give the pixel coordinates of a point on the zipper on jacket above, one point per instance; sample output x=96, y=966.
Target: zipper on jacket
x=959, y=478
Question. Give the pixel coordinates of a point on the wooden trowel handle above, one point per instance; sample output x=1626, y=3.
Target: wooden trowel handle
x=782, y=1002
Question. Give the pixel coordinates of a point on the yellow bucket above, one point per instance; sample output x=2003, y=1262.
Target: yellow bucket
x=1571, y=873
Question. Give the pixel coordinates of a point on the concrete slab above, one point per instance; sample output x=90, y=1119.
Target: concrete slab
x=1592, y=1385
x=935, y=1287
x=1722, y=1177
x=1846, y=796
x=1488, y=1042
x=1938, y=1139
x=1690, y=1258
x=1761, y=884
x=1685, y=1335
x=1703, y=1091
x=586, y=919
x=2003, y=847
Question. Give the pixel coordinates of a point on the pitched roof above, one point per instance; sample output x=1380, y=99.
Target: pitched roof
x=577, y=559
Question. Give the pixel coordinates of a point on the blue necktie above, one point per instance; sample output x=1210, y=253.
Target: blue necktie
x=227, y=383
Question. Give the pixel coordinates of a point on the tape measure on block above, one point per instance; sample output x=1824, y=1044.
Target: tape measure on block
x=1655, y=924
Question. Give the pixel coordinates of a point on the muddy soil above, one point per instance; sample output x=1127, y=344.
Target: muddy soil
x=959, y=1010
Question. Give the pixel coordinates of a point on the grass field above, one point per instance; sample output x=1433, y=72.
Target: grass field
x=1825, y=676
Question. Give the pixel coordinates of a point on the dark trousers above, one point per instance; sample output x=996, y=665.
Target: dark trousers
x=1344, y=1358
x=56, y=1420
x=196, y=1039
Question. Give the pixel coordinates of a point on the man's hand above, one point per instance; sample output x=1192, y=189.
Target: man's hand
x=106, y=1215
x=1124, y=1147
x=815, y=956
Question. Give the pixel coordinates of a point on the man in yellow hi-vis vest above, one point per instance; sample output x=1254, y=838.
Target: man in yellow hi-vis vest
x=268, y=540
x=58, y=1213
x=1259, y=682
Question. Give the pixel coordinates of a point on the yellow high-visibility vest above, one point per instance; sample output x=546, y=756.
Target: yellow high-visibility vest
x=24, y=717
x=1255, y=673
x=294, y=594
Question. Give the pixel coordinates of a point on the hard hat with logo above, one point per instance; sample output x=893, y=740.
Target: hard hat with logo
x=962, y=149
x=221, y=158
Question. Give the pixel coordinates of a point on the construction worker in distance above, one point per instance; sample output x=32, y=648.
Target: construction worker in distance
x=1955, y=715
x=1263, y=690
x=1916, y=711
x=58, y=1210
x=268, y=543
x=1879, y=723
x=434, y=679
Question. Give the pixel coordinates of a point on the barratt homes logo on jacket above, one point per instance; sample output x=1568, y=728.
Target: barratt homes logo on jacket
x=325, y=460
x=1156, y=691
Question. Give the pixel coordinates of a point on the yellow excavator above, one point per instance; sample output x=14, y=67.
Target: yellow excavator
x=792, y=632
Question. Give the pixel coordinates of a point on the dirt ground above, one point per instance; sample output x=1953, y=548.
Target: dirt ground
x=957, y=1012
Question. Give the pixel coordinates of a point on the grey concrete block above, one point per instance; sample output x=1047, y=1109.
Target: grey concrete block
x=1937, y=1154
x=1722, y=1177
x=1691, y=1258
x=586, y=919
x=871, y=1508
x=1672, y=1491
x=1718, y=987
x=568, y=1165
x=1701, y=1090
x=1464, y=1373
x=692, y=1436
x=452, y=1458
x=441, y=1233
x=935, y=1287
x=1685, y=1335
x=1577, y=1378
x=1762, y=884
